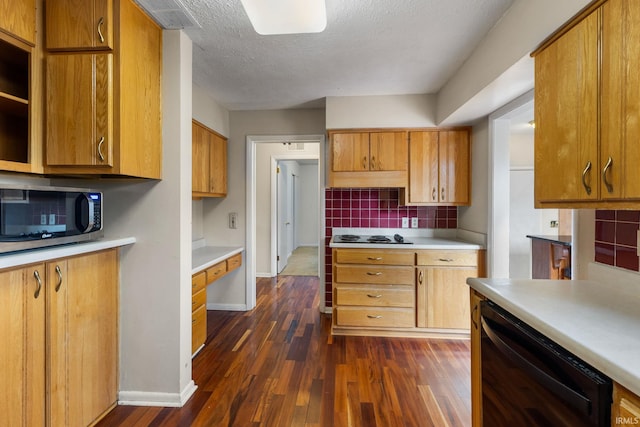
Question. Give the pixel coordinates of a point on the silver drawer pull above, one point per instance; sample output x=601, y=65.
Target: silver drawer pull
x=374, y=273
x=374, y=296
x=370, y=316
x=445, y=259
x=376, y=258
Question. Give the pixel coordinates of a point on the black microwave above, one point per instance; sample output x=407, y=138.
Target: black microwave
x=34, y=217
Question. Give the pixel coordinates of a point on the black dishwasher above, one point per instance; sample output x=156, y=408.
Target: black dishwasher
x=529, y=380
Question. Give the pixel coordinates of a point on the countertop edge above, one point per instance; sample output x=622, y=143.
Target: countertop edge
x=206, y=256
x=417, y=245
x=63, y=251
x=609, y=367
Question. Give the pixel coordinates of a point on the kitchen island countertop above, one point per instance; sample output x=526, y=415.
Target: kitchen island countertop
x=597, y=322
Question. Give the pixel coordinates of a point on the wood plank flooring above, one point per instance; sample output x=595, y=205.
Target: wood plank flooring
x=278, y=365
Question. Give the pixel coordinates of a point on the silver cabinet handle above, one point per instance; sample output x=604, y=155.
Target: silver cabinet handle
x=587, y=168
x=604, y=175
x=364, y=162
x=376, y=258
x=373, y=163
x=374, y=273
x=374, y=296
x=36, y=294
x=434, y=193
x=370, y=316
x=445, y=259
x=442, y=195
x=100, y=149
x=59, y=278
x=100, y=23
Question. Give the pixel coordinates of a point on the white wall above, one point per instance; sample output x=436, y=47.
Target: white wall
x=229, y=291
x=475, y=217
x=380, y=111
x=308, y=213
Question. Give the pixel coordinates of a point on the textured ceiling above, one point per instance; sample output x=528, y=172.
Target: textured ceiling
x=370, y=47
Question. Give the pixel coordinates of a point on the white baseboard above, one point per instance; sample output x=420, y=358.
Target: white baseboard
x=264, y=275
x=226, y=307
x=146, y=398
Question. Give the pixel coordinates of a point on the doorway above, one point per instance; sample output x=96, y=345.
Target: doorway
x=259, y=261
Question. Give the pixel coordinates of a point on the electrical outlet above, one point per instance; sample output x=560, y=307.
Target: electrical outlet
x=553, y=224
x=52, y=219
x=43, y=219
x=405, y=222
x=414, y=222
x=233, y=220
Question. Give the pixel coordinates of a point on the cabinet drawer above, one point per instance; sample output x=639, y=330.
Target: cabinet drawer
x=234, y=262
x=198, y=282
x=217, y=271
x=374, y=256
x=386, y=275
x=198, y=299
x=455, y=257
x=375, y=317
x=198, y=328
x=376, y=296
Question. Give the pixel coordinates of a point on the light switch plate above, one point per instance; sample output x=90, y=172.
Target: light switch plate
x=405, y=222
x=233, y=220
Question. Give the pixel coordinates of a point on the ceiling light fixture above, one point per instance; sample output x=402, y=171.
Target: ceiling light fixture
x=286, y=16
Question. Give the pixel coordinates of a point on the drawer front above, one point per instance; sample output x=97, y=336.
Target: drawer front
x=199, y=328
x=386, y=275
x=234, y=262
x=198, y=282
x=374, y=256
x=448, y=257
x=376, y=296
x=217, y=271
x=375, y=317
x=198, y=299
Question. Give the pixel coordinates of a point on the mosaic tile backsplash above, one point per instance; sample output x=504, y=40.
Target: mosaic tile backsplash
x=616, y=238
x=375, y=208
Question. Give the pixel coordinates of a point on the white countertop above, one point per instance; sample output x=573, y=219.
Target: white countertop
x=417, y=243
x=206, y=256
x=597, y=322
x=54, y=252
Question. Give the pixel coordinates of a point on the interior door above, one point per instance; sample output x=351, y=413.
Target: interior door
x=281, y=195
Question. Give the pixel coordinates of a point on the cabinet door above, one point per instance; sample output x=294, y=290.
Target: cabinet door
x=476, y=372
x=218, y=165
x=200, y=159
x=423, y=167
x=22, y=333
x=83, y=337
x=350, y=152
x=566, y=99
x=19, y=18
x=388, y=151
x=620, y=126
x=454, y=167
x=79, y=24
x=79, y=121
x=443, y=297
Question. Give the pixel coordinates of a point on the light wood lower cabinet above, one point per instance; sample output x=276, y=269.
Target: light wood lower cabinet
x=476, y=368
x=400, y=292
x=625, y=409
x=60, y=328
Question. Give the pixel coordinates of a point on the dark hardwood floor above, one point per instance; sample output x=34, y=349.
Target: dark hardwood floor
x=278, y=365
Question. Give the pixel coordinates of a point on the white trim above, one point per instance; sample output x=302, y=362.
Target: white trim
x=251, y=141
x=226, y=307
x=143, y=398
x=274, y=202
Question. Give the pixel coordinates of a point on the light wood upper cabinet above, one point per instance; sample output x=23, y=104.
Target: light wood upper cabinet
x=209, y=162
x=120, y=131
x=586, y=106
x=79, y=24
x=22, y=331
x=439, y=168
x=368, y=158
x=18, y=18
x=80, y=122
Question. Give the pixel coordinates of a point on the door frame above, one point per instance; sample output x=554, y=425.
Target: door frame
x=251, y=142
